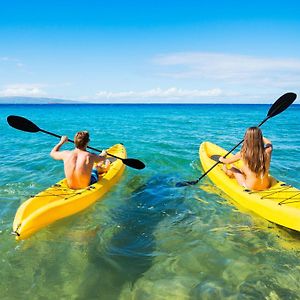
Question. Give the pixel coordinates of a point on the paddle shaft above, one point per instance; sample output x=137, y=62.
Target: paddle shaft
x=265, y=120
x=59, y=136
x=26, y=125
x=281, y=104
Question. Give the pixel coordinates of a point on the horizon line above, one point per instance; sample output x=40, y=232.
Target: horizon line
x=144, y=103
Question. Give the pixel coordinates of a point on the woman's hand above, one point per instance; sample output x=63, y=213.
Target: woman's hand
x=221, y=159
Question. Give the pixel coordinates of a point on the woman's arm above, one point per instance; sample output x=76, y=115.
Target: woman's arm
x=267, y=141
x=230, y=160
x=268, y=144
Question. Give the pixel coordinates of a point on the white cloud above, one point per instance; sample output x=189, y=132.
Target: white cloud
x=158, y=95
x=231, y=69
x=26, y=90
x=13, y=61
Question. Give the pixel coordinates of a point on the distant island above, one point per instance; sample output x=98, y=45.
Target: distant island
x=34, y=100
x=14, y=100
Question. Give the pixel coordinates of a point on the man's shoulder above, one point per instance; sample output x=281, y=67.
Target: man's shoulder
x=88, y=154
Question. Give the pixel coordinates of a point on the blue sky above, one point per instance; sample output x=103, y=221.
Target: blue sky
x=150, y=51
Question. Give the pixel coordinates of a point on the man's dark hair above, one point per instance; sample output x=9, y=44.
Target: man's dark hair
x=81, y=139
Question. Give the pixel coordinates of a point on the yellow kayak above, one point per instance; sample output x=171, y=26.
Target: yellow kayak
x=279, y=204
x=59, y=201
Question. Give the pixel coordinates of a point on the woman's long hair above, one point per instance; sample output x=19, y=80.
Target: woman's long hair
x=253, y=151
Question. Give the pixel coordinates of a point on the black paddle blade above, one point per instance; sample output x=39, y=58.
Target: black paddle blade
x=186, y=183
x=133, y=163
x=21, y=123
x=281, y=104
x=215, y=157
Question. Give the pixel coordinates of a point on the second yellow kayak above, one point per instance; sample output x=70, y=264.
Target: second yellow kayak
x=279, y=204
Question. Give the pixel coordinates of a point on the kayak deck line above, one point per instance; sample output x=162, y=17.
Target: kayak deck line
x=272, y=192
x=63, y=189
x=278, y=191
x=59, y=188
x=15, y=232
x=48, y=194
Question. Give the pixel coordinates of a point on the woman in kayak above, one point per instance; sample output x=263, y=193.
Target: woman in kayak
x=78, y=163
x=256, y=157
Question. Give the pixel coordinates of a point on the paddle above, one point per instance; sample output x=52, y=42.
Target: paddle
x=23, y=124
x=215, y=157
x=279, y=106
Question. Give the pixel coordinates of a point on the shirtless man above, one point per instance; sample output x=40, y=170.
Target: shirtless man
x=78, y=163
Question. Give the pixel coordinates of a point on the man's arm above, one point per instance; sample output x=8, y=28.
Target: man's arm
x=55, y=153
x=101, y=157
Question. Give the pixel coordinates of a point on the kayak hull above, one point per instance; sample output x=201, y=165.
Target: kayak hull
x=279, y=204
x=59, y=201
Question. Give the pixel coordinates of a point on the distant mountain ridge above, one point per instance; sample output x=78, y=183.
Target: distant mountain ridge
x=34, y=100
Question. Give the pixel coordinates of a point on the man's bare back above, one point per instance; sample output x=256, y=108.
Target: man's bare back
x=78, y=164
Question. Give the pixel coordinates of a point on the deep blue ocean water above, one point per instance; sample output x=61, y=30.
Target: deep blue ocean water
x=146, y=238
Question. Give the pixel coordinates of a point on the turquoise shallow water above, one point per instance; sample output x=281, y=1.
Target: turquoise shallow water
x=147, y=239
